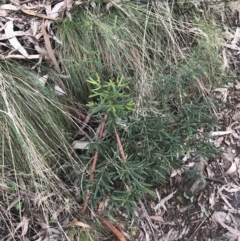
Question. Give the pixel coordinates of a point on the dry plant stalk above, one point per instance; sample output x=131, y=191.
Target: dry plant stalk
x=94, y=164
x=120, y=145
x=118, y=234
x=114, y=230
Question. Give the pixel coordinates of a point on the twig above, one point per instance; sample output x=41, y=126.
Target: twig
x=94, y=164
x=199, y=225
x=149, y=221
x=76, y=112
x=120, y=145
x=96, y=153
x=113, y=229
x=84, y=124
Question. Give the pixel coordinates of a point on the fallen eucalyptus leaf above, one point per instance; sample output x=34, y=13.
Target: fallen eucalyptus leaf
x=232, y=169
x=59, y=91
x=80, y=145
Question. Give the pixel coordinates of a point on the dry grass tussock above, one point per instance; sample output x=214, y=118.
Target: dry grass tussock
x=34, y=146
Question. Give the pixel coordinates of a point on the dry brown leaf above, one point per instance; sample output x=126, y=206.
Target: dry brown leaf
x=48, y=8
x=182, y=209
x=14, y=34
x=212, y=199
x=78, y=224
x=69, y=4
x=224, y=93
x=210, y=173
x=13, y=203
x=236, y=117
x=233, y=47
x=229, y=154
x=171, y=235
x=224, y=197
x=163, y=201
x=49, y=48
x=15, y=2
x=9, y=32
x=227, y=35
x=238, y=105
x=229, y=188
x=16, y=56
x=176, y=172
x=225, y=60
x=101, y=208
x=9, y=7
x=60, y=92
x=43, y=52
x=57, y=9
x=3, y=13
x=236, y=36
x=4, y=187
x=232, y=169
x=237, y=161
x=220, y=133
x=157, y=218
x=35, y=14
x=237, y=86
x=22, y=224
x=25, y=225
x=78, y=2
x=80, y=145
x=236, y=136
x=220, y=217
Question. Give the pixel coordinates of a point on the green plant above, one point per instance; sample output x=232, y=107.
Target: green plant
x=191, y=199
x=13, y=186
x=110, y=98
x=18, y=206
x=153, y=141
x=52, y=220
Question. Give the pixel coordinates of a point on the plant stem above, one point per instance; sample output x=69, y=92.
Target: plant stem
x=113, y=229
x=94, y=164
x=120, y=145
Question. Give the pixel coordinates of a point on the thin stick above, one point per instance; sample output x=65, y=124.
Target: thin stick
x=84, y=124
x=96, y=153
x=94, y=164
x=120, y=145
x=118, y=234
